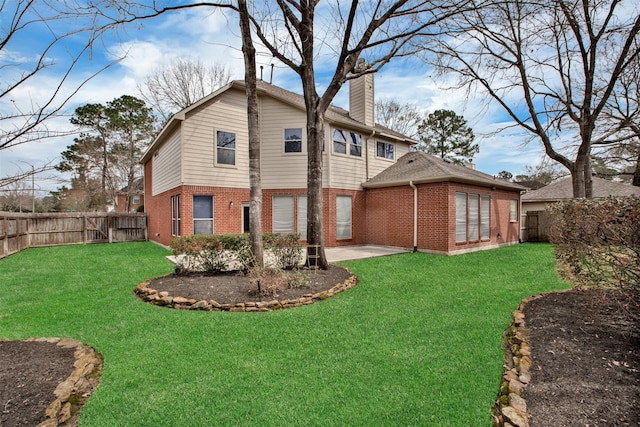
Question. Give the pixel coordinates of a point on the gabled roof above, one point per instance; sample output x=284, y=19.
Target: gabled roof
x=562, y=189
x=334, y=115
x=419, y=168
x=136, y=186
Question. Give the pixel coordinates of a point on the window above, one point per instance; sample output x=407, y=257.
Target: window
x=302, y=217
x=339, y=141
x=485, y=218
x=225, y=148
x=136, y=200
x=293, y=140
x=461, y=217
x=385, y=150
x=282, y=214
x=343, y=217
x=513, y=210
x=473, y=217
x=246, y=225
x=356, y=144
x=343, y=138
x=202, y=214
x=175, y=215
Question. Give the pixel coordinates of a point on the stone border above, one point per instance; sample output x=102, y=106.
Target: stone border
x=510, y=409
x=72, y=394
x=152, y=296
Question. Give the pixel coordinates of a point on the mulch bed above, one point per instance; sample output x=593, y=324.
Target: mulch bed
x=585, y=352
x=232, y=288
x=29, y=373
x=585, y=348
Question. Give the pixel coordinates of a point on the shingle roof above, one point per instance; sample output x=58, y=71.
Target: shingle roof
x=419, y=168
x=333, y=113
x=562, y=189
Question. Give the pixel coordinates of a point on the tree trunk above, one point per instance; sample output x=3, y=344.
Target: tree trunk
x=636, y=173
x=255, y=180
x=315, y=227
x=315, y=141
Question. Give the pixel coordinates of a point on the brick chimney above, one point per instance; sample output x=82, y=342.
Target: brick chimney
x=361, y=99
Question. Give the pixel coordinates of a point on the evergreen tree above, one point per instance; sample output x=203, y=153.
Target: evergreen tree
x=446, y=135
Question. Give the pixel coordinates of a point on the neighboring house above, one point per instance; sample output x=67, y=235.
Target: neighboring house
x=135, y=193
x=534, y=203
x=197, y=177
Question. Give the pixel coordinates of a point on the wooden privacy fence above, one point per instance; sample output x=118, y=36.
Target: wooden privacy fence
x=21, y=231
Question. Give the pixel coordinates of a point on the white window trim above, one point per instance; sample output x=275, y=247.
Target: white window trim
x=235, y=150
x=386, y=158
x=213, y=208
x=339, y=219
x=303, y=150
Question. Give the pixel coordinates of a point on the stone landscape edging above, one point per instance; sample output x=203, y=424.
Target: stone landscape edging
x=152, y=296
x=72, y=393
x=510, y=409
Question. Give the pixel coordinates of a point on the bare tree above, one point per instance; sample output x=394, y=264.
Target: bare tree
x=175, y=86
x=23, y=63
x=374, y=32
x=365, y=36
x=255, y=180
x=544, y=63
x=404, y=118
x=618, y=133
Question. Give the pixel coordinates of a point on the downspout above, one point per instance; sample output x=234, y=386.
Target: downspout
x=415, y=216
x=366, y=157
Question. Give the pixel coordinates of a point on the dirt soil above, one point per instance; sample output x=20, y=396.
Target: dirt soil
x=585, y=348
x=29, y=373
x=233, y=288
x=585, y=351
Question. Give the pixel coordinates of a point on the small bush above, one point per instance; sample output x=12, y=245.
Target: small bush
x=285, y=247
x=268, y=281
x=212, y=253
x=598, y=240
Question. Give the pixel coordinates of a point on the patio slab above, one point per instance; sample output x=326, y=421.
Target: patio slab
x=348, y=253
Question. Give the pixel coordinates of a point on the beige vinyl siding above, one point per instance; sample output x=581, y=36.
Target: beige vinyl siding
x=280, y=169
x=377, y=164
x=165, y=165
x=346, y=171
x=228, y=113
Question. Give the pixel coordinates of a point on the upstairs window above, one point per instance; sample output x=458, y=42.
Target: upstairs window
x=342, y=139
x=339, y=141
x=225, y=148
x=293, y=140
x=385, y=150
x=355, y=149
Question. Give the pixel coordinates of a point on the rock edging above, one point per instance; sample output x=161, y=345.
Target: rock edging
x=510, y=409
x=152, y=296
x=72, y=393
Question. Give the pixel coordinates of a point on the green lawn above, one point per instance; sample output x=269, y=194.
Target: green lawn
x=417, y=342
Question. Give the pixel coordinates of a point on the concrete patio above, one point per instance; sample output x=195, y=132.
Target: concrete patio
x=347, y=253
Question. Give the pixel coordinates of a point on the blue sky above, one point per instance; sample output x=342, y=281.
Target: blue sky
x=213, y=38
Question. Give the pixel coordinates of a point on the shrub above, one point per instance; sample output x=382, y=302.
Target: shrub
x=268, y=281
x=285, y=247
x=212, y=253
x=599, y=240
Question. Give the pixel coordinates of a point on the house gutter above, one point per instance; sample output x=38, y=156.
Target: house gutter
x=415, y=216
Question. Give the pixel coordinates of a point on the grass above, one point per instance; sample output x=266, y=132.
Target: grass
x=417, y=342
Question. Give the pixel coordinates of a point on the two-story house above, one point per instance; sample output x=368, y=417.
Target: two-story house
x=197, y=180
